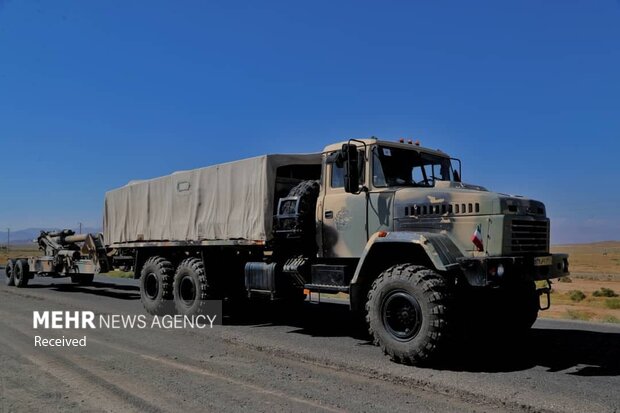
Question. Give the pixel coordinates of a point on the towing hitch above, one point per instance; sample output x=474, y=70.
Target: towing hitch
x=546, y=291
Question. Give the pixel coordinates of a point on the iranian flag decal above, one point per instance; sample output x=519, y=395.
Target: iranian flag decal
x=476, y=238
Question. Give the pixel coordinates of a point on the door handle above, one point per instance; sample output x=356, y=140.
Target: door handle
x=329, y=214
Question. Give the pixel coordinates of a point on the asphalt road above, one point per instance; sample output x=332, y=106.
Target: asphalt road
x=315, y=361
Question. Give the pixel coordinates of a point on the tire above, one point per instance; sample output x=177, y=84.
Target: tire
x=156, y=286
x=191, y=288
x=498, y=314
x=21, y=273
x=422, y=300
x=308, y=193
x=9, y=272
x=518, y=306
x=82, y=279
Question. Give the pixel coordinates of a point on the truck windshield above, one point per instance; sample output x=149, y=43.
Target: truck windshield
x=408, y=167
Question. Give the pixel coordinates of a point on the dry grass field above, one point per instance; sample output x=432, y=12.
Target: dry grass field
x=595, y=270
x=18, y=251
x=600, y=260
x=595, y=278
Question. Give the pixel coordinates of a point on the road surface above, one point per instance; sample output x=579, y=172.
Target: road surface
x=317, y=361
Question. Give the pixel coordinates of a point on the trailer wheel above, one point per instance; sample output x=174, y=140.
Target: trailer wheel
x=83, y=279
x=408, y=313
x=9, y=272
x=156, y=285
x=21, y=273
x=191, y=288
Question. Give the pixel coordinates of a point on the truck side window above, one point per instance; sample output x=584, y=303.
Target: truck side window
x=337, y=179
x=378, y=178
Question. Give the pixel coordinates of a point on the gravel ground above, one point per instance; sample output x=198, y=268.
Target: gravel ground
x=317, y=360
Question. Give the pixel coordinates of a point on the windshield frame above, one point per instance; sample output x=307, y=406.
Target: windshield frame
x=429, y=167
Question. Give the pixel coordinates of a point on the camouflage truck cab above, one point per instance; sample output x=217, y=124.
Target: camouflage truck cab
x=398, y=210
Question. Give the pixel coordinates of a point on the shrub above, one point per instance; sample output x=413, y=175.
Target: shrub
x=576, y=295
x=578, y=315
x=613, y=303
x=604, y=292
x=610, y=319
x=565, y=280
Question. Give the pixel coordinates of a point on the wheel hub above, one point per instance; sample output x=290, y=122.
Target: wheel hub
x=402, y=315
x=187, y=290
x=151, y=286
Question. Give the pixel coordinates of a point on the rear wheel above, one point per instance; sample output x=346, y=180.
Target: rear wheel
x=191, y=288
x=9, y=272
x=21, y=273
x=156, y=286
x=408, y=313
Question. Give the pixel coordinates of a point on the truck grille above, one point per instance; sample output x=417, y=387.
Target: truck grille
x=530, y=236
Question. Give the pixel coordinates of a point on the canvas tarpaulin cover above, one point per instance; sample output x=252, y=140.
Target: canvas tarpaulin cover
x=234, y=200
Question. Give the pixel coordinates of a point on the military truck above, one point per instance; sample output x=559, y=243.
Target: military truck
x=390, y=224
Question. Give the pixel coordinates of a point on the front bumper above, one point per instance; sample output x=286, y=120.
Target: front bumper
x=483, y=271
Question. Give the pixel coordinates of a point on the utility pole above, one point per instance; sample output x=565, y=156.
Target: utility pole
x=80, y=227
x=8, y=239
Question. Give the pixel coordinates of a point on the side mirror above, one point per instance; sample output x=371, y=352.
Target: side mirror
x=457, y=174
x=351, y=168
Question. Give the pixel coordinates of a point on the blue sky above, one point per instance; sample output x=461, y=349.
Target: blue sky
x=94, y=94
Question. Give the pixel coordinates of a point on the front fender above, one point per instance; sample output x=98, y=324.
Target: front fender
x=386, y=249
x=438, y=248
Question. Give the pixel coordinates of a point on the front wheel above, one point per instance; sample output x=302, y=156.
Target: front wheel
x=408, y=313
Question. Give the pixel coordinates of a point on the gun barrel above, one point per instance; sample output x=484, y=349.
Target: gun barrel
x=72, y=239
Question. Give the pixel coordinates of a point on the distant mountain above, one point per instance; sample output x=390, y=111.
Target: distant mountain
x=26, y=236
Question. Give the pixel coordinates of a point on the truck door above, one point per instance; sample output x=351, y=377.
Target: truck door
x=344, y=232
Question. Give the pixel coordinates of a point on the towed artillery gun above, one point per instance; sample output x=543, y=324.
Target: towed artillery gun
x=65, y=254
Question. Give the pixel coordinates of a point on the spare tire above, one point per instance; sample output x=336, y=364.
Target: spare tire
x=308, y=194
